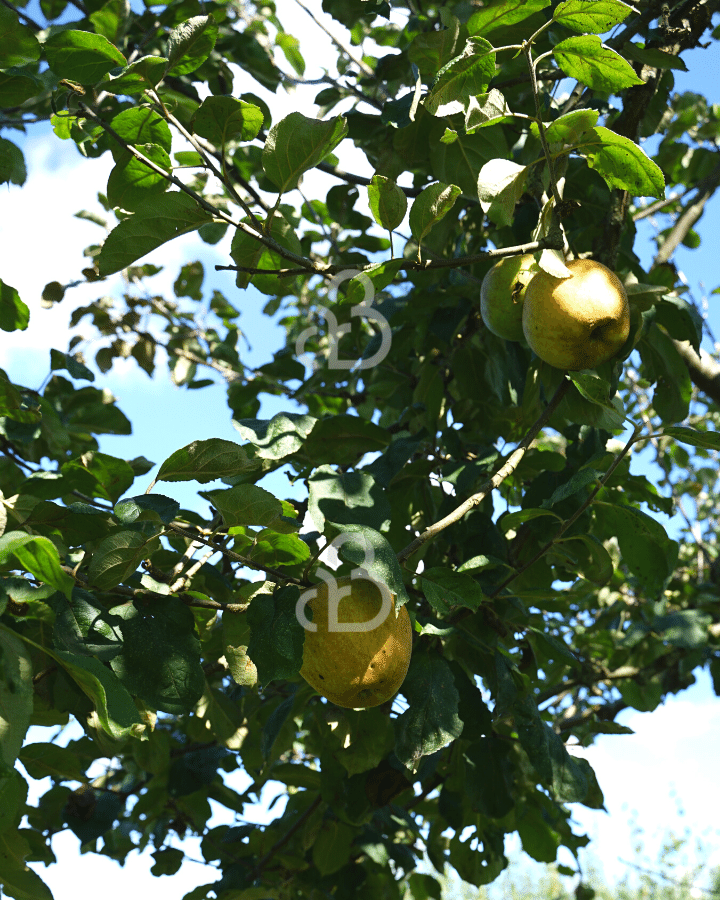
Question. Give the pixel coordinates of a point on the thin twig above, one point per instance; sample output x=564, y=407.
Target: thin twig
x=307, y=265
x=273, y=574
x=568, y=522
x=507, y=469
x=23, y=16
x=363, y=66
x=414, y=265
x=205, y=157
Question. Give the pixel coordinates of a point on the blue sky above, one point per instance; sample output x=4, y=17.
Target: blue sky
x=669, y=762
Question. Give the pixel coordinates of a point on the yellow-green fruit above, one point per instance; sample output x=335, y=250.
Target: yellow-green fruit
x=502, y=294
x=578, y=322
x=357, y=669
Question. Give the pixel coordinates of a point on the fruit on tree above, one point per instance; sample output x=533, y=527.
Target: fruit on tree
x=356, y=669
x=502, y=294
x=577, y=322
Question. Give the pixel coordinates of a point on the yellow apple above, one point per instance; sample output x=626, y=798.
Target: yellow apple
x=578, y=322
x=502, y=293
x=356, y=668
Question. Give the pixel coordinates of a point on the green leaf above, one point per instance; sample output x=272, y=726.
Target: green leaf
x=369, y=738
x=595, y=16
x=146, y=72
x=431, y=721
x=644, y=545
x=118, y=556
x=548, y=755
x=277, y=718
x=370, y=550
x=132, y=183
x=14, y=314
x=18, y=879
x=433, y=204
x=489, y=776
x=110, y=19
x=247, y=251
x=153, y=223
x=569, y=128
x=190, y=44
x=331, y=847
x=651, y=56
x=277, y=637
x=431, y=50
x=236, y=632
x=12, y=164
x=147, y=506
x=673, y=388
x=501, y=183
x=644, y=697
x=112, y=476
x=464, y=77
x=115, y=709
x=245, y=504
x=710, y=440
x=298, y=143
x=16, y=696
x=595, y=389
x=167, y=861
x=588, y=60
x=59, y=361
x=278, y=437
x=622, y=163
x=81, y=55
x=503, y=14
x=205, y=461
x=222, y=119
x=18, y=45
x=343, y=440
x=83, y=626
x=290, y=46
x=271, y=547
x=13, y=795
x=685, y=628
x=18, y=85
x=139, y=126
x=39, y=556
x=346, y=498
x=388, y=202
x=459, y=162
x=44, y=760
x=445, y=589
x=587, y=557
x=539, y=839
x=364, y=288
x=160, y=659
x=485, y=109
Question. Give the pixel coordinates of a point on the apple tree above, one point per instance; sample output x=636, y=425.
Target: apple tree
x=493, y=494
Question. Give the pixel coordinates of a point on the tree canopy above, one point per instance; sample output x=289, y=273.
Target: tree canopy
x=490, y=492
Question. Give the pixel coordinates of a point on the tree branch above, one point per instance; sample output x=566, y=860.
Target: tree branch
x=273, y=574
x=704, y=371
x=305, y=264
x=507, y=469
x=413, y=265
x=688, y=218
